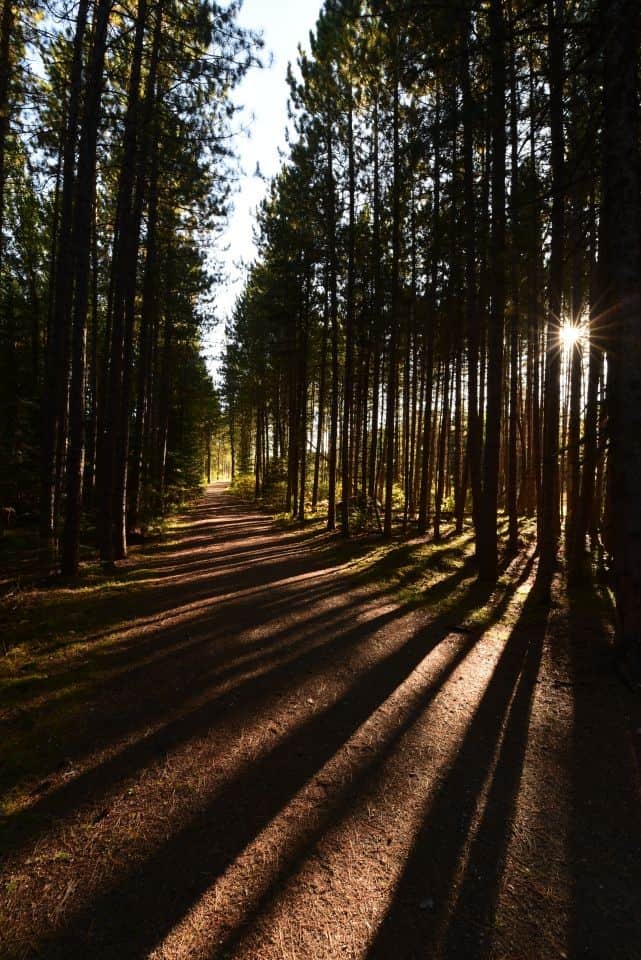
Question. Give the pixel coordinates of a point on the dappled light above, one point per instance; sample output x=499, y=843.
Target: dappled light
x=253, y=757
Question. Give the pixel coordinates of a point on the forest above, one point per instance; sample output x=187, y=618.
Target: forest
x=438, y=318
x=329, y=646
x=115, y=175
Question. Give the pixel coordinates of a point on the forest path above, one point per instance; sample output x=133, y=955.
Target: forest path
x=278, y=759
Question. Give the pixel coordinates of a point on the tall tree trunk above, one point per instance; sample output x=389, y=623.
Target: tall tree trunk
x=303, y=398
x=622, y=211
x=392, y=386
x=441, y=466
x=149, y=316
x=377, y=306
x=333, y=310
x=595, y=355
x=474, y=428
x=426, y=486
x=488, y=541
x=56, y=367
x=512, y=461
x=93, y=378
x=550, y=493
x=81, y=244
x=574, y=552
x=321, y=401
x=348, y=386
x=113, y=534
x=7, y=19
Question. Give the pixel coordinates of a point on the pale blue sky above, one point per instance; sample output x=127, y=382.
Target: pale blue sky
x=263, y=94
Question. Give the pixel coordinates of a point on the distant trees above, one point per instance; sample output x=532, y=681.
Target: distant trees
x=448, y=263
x=114, y=163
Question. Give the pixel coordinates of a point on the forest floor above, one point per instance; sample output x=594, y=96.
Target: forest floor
x=256, y=741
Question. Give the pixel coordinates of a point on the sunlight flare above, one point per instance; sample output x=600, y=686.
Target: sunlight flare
x=571, y=335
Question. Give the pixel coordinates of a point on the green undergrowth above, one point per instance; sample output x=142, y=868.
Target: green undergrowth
x=44, y=616
x=272, y=499
x=243, y=486
x=411, y=566
x=285, y=521
x=416, y=571
x=26, y=559
x=412, y=569
x=61, y=640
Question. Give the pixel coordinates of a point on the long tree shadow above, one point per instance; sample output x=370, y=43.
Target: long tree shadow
x=179, y=598
x=145, y=583
x=175, y=662
x=142, y=649
x=428, y=915
x=190, y=667
x=310, y=744
x=605, y=830
x=474, y=910
x=143, y=906
x=251, y=691
x=309, y=654
x=292, y=860
x=179, y=595
x=178, y=618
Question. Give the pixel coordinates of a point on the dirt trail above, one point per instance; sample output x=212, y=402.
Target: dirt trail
x=286, y=763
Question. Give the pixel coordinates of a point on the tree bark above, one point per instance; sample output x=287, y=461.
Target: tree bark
x=333, y=311
x=81, y=246
x=622, y=211
x=348, y=386
x=488, y=541
x=57, y=362
x=392, y=386
x=550, y=493
x=113, y=544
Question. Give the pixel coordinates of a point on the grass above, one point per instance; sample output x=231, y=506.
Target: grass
x=23, y=557
x=406, y=569
x=42, y=617
x=57, y=636
x=53, y=663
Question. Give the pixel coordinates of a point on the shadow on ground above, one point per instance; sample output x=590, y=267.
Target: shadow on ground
x=254, y=660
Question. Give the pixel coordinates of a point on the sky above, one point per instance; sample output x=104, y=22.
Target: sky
x=263, y=94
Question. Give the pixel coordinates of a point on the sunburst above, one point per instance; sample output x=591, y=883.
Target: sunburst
x=571, y=335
